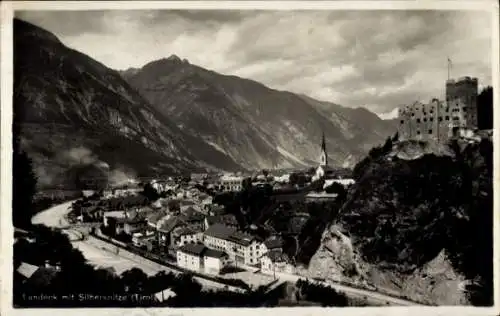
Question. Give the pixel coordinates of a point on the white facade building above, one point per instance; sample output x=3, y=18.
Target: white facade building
x=214, y=261
x=190, y=257
x=197, y=257
x=275, y=261
x=343, y=182
x=241, y=247
x=230, y=183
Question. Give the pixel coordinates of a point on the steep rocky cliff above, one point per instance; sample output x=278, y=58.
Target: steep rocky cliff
x=71, y=111
x=420, y=227
x=256, y=126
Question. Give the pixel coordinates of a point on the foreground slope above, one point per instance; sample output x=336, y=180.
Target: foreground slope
x=256, y=126
x=417, y=224
x=72, y=112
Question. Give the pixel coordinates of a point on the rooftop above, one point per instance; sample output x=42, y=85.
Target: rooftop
x=231, y=178
x=27, y=270
x=241, y=238
x=219, y=231
x=228, y=219
x=170, y=224
x=37, y=275
x=329, y=182
x=321, y=195
x=193, y=215
x=155, y=217
x=115, y=214
x=214, y=253
x=277, y=256
x=193, y=249
x=181, y=231
x=273, y=242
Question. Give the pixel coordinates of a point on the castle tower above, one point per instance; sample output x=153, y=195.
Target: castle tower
x=323, y=160
x=461, y=99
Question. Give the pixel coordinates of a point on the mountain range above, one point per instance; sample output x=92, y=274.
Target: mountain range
x=167, y=117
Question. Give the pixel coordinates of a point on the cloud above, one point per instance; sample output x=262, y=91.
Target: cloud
x=375, y=59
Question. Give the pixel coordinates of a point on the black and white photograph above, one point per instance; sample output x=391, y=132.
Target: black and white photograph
x=249, y=157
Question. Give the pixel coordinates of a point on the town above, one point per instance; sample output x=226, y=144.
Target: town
x=189, y=221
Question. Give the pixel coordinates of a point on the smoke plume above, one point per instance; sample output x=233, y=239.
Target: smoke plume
x=79, y=157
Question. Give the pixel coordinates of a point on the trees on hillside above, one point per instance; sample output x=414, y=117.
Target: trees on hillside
x=485, y=108
x=23, y=188
x=150, y=193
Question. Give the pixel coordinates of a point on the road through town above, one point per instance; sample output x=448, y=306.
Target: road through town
x=104, y=257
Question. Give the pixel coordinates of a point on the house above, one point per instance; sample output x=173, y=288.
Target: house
x=92, y=212
x=165, y=295
x=88, y=193
x=198, y=177
x=186, y=204
x=282, y=179
x=245, y=247
x=275, y=261
x=107, y=194
x=190, y=256
x=154, y=218
x=271, y=243
x=217, y=236
x=214, y=261
x=177, y=230
x=206, y=201
x=116, y=220
x=230, y=183
x=193, y=216
x=134, y=225
x=112, y=215
x=344, y=182
x=197, y=257
x=227, y=219
x=216, y=209
x=241, y=247
x=166, y=227
x=144, y=239
x=134, y=221
x=185, y=235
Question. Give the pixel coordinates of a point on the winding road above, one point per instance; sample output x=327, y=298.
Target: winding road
x=373, y=296
x=54, y=217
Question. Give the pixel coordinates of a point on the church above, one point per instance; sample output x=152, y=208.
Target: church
x=324, y=170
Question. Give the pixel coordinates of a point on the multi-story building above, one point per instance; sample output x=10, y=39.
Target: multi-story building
x=275, y=261
x=242, y=248
x=228, y=183
x=440, y=120
x=186, y=235
x=190, y=256
x=197, y=257
x=214, y=261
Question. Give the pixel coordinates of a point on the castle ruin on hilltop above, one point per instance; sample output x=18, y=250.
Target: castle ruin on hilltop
x=438, y=120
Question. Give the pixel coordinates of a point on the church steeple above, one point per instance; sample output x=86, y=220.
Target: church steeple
x=324, y=155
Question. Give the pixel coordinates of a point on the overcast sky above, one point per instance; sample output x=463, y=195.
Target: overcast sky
x=375, y=59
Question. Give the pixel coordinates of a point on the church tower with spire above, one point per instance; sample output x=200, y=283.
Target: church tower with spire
x=323, y=160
